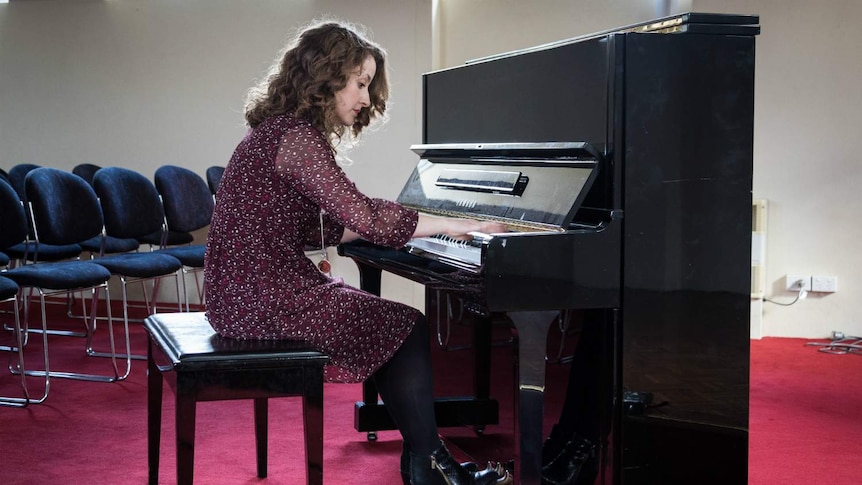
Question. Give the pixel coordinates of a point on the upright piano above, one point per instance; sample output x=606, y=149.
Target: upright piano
x=621, y=164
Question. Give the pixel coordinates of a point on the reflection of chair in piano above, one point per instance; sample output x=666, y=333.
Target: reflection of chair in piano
x=624, y=162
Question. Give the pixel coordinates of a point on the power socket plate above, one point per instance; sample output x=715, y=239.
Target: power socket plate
x=792, y=282
x=824, y=284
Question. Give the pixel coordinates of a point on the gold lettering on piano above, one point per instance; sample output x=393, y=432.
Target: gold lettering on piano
x=665, y=24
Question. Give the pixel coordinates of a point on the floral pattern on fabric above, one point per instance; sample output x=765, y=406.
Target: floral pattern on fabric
x=259, y=282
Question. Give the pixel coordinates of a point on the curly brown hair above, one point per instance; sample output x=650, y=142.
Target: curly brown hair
x=316, y=65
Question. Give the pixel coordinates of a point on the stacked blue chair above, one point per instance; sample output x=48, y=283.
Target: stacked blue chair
x=131, y=208
x=102, y=245
x=99, y=245
x=168, y=237
x=65, y=210
x=213, y=175
x=29, y=250
x=12, y=217
x=111, y=244
x=188, y=207
x=86, y=171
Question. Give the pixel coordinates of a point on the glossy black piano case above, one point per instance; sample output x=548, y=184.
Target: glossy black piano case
x=672, y=114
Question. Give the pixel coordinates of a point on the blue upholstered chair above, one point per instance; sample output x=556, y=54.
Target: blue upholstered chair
x=111, y=244
x=14, y=230
x=64, y=210
x=213, y=175
x=163, y=238
x=14, y=237
x=13, y=224
x=86, y=171
x=188, y=207
x=168, y=237
x=99, y=245
x=17, y=174
x=131, y=208
x=29, y=250
x=102, y=245
x=4, y=258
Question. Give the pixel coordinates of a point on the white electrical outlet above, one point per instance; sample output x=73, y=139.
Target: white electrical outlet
x=796, y=282
x=824, y=284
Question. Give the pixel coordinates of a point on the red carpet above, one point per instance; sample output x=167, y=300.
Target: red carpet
x=805, y=423
x=805, y=414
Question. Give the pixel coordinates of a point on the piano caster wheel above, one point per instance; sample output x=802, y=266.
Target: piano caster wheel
x=371, y=436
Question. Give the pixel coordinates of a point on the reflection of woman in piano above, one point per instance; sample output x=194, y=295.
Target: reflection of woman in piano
x=281, y=192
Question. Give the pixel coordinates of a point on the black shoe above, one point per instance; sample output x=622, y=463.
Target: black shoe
x=441, y=469
x=576, y=464
x=554, y=445
x=469, y=466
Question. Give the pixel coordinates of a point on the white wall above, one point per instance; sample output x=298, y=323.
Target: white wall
x=142, y=83
x=479, y=28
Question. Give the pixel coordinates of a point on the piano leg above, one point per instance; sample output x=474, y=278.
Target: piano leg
x=482, y=367
x=532, y=329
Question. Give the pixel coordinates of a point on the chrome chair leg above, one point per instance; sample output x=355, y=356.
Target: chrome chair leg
x=117, y=375
x=124, y=284
x=25, y=401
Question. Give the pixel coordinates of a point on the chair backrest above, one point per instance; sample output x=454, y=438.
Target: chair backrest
x=4, y=175
x=213, y=175
x=86, y=171
x=187, y=199
x=17, y=174
x=13, y=223
x=64, y=206
x=130, y=203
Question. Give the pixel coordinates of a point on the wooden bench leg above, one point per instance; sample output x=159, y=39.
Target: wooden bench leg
x=185, y=423
x=312, y=411
x=261, y=423
x=154, y=417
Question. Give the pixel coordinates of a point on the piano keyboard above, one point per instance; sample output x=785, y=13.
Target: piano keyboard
x=453, y=251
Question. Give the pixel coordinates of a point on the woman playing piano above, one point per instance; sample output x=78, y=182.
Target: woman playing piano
x=282, y=192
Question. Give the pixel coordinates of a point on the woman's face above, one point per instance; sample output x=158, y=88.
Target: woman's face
x=350, y=100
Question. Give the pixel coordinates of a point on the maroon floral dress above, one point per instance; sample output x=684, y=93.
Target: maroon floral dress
x=258, y=282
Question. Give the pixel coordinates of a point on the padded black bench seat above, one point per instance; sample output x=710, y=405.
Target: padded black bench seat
x=200, y=365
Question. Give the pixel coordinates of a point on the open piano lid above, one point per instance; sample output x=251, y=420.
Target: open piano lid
x=528, y=186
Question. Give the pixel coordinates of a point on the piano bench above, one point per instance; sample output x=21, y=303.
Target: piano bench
x=200, y=365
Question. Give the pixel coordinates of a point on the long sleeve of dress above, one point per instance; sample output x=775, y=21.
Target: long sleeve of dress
x=306, y=161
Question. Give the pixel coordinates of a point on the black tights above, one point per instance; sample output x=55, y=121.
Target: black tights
x=406, y=387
